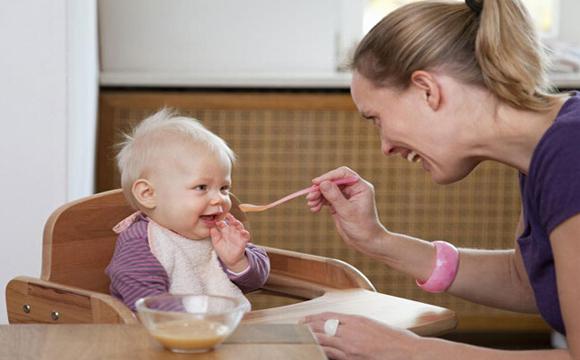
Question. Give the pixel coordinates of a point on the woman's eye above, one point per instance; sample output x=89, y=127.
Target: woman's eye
x=372, y=119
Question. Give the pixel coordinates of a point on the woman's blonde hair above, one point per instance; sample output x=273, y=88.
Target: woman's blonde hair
x=152, y=135
x=497, y=48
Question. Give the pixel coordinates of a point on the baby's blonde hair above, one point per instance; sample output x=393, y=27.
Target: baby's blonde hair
x=151, y=135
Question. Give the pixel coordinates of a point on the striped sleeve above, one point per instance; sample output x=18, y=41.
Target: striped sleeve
x=258, y=271
x=134, y=271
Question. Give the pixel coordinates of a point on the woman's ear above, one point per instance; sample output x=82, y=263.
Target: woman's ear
x=429, y=86
x=144, y=193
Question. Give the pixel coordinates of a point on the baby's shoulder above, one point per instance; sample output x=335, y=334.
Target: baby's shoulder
x=134, y=237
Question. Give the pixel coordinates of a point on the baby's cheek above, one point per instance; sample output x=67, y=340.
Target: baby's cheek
x=228, y=202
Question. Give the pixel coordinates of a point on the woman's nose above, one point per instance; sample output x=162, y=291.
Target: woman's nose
x=387, y=148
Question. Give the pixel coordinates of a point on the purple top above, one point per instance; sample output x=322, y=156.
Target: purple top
x=135, y=272
x=550, y=195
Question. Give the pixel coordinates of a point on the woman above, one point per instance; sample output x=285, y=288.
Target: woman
x=450, y=85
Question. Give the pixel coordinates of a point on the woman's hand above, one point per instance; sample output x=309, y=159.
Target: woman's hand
x=352, y=207
x=229, y=239
x=358, y=337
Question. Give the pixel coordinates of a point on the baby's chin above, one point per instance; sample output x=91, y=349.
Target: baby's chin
x=196, y=235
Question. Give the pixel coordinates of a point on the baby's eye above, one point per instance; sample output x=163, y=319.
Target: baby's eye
x=225, y=189
x=200, y=187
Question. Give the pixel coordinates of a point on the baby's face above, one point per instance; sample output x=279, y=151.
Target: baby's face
x=192, y=192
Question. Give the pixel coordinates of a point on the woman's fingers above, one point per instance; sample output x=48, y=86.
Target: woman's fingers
x=315, y=200
x=338, y=173
x=326, y=193
x=322, y=317
x=333, y=346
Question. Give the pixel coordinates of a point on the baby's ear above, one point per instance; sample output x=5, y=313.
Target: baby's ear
x=144, y=193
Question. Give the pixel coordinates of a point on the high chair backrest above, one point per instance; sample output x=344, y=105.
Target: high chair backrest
x=79, y=241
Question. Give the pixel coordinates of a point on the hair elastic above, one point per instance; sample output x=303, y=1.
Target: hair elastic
x=445, y=270
x=475, y=5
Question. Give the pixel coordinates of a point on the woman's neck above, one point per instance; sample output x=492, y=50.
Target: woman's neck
x=515, y=134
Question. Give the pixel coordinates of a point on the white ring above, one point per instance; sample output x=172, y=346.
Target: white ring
x=330, y=327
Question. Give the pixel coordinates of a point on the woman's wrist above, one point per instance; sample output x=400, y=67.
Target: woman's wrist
x=374, y=244
x=404, y=253
x=385, y=247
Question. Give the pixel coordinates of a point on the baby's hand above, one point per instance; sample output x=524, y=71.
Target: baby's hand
x=229, y=239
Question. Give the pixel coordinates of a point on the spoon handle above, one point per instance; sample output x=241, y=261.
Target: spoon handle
x=343, y=181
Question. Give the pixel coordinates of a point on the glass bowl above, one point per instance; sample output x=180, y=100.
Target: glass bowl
x=190, y=323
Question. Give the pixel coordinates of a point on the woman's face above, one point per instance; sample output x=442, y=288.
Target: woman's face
x=413, y=128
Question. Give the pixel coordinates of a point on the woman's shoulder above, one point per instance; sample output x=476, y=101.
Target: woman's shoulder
x=553, y=184
x=562, y=139
x=569, y=114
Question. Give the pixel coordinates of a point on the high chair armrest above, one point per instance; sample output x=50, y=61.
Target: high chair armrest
x=31, y=300
x=307, y=276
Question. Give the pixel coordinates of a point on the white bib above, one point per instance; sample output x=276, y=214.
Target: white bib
x=192, y=265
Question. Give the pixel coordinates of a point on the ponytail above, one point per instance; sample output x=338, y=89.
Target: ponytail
x=511, y=58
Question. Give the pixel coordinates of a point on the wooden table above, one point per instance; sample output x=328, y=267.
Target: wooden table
x=258, y=341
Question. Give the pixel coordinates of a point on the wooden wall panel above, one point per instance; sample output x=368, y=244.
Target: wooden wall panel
x=284, y=139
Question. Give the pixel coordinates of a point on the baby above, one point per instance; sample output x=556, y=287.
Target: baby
x=182, y=239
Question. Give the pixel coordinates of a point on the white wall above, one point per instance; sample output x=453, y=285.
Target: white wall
x=218, y=36
x=569, y=30
x=47, y=93
x=223, y=42
x=82, y=96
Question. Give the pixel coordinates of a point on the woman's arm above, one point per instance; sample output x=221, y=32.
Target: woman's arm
x=358, y=337
x=494, y=278
x=489, y=277
x=435, y=349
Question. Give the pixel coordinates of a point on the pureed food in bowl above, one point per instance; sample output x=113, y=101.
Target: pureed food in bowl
x=190, y=323
x=193, y=334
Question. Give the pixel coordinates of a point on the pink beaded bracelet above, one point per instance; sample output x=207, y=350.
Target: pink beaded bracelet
x=446, y=265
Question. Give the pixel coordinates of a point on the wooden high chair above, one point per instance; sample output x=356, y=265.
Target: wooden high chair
x=79, y=242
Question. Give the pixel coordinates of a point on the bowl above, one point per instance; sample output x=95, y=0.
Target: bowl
x=190, y=323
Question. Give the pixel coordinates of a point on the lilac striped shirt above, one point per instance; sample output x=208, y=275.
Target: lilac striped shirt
x=135, y=272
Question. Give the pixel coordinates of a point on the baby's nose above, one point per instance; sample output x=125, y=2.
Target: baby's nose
x=218, y=199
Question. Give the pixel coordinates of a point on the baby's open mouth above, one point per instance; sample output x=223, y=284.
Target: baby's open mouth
x=211, y=217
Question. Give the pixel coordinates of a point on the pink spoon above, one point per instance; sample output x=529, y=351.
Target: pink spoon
x=257, y=208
